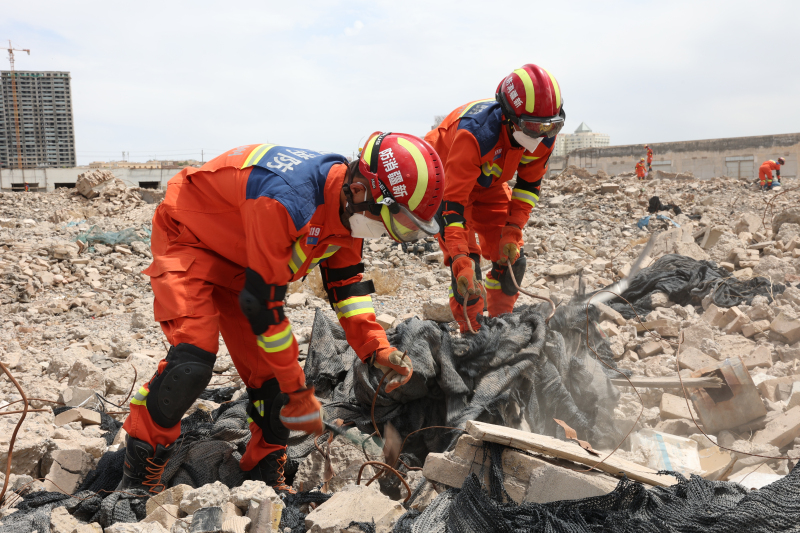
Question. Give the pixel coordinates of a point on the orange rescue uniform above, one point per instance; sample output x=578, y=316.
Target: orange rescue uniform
x=765, y=172
x=640, y=170
x=479, y=159
x=649, y=156
x=272, y=209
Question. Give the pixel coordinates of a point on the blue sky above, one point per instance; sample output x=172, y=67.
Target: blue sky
x=169, y=78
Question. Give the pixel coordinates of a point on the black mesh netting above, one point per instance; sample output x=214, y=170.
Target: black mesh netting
x=691, y=506
x=688, y=281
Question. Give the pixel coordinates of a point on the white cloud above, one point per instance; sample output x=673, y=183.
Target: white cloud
x=178, y=77
x=355, y=30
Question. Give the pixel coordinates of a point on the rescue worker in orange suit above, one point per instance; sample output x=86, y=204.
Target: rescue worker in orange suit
x=641, y=173
x=483, y=145
x=765, y=172
x=649, y=158
x=226, y=241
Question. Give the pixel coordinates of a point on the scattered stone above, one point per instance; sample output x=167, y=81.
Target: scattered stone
x=438, y=310
x=354, y=503
x=385, y=321
x=296, y=299
x=649, y=349
x=212, y=495
x=785, y=329
x=559, y=271
x=782, y=430
x=86, y=417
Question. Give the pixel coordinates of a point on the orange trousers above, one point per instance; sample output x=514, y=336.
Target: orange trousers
x=765, y=175
x=196, y=297
x=486, y=215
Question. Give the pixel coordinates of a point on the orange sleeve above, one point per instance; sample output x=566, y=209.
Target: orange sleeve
x=270, y=233
x=463, y=168
x=356, y=314
x=529, y=183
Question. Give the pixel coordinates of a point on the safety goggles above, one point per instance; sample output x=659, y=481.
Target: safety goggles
x=540, y=127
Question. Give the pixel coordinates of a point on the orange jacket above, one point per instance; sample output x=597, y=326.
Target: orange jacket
x=649, y=155
x=477, y=154
x=275, y=210
x=769, y=166
x=640, y=171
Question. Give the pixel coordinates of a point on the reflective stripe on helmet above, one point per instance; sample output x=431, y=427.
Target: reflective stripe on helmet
x=278, y=342
x=256, y=155
x=422, y=172
x=140, y=398
x=357, y=305
x=556, y=88
x=366, y=154
x=525, y=196
x=530, y=92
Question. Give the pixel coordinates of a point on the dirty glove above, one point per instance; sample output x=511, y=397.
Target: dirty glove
x=303, y=412
x=464, y=272
x=392, y=360
x=510, y=239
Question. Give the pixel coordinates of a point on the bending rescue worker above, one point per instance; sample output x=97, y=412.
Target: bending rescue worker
x=227, y=240
x=765, y=173
x=483, y=144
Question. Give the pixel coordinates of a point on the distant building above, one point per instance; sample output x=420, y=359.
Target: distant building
x=44, y=111
x=153, y=163
x=583, y=137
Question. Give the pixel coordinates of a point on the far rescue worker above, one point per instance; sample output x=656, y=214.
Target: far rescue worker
x=226, y=241
x=640, y=170
x=765, y=172
x=649, y=158
x=483, y=144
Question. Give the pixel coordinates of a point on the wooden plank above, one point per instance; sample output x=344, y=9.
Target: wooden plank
x=565, y=450
x=668, y=382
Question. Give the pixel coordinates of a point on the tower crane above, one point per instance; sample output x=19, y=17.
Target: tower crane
x=13, y=76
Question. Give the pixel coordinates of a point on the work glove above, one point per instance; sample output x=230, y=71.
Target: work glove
x=392, y=360
x=510, y=239
x=303, y=412
x=464, y=272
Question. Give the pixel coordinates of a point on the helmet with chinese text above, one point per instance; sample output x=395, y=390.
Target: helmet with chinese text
x=530, y=98
x=406, y=179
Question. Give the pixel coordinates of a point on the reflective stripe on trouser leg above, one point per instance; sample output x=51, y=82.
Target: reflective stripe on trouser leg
x=278, y=341
x=498, y=302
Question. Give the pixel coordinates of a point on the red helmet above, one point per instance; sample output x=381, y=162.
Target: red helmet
x=531, y=99
x=406, y=177
x=781, y=161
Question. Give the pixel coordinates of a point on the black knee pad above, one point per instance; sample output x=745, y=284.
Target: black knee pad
x=500, y=273
x=265, y=410
x=174, y=390
x=454, y=282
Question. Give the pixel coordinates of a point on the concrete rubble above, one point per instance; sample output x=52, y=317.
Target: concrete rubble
x=77, y=320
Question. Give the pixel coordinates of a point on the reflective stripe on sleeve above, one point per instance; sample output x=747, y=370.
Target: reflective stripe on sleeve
x=528, y=159
x=140, y=398
x=278, y=342
x=525, y=196
x=357, y=305
x=456, y=225
x=298, y=257
x=301, y=419
x=491, y=284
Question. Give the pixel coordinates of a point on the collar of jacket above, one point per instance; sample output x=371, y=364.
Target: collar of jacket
x=335, y=232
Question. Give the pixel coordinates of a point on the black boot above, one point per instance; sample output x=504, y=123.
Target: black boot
x=270, y=471
x=143, y=466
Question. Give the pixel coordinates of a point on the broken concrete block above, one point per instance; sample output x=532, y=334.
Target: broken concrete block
x=346, y=460
x=86, y=417
x=610, y=314
x=166, y=515
x=785, y=329
x=74, y=396
x=711, y=237
x=694, y=335
x=250, y=490
x=92, y=182
x=751, y=329
x=733, y=321
x=354, y=503
x=782, y=430
x=675, y=407
x=768, y=388
x=732, y=346
x=561, y=270
x=170, y=496
x=212, y=495
x=438, y=310
x=649, y=349
x=677, y=426
x=714, y=315
x=694, y=359
x=236, y=524
x=137, y=527
x=736, y=403
x=68, y=469
x=760, y=357
x=748, y=222
x=794, y=395
x=385, y=321
x=296, y=299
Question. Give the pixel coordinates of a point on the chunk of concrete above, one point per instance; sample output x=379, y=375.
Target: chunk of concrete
x=86, y=417
x=714, y=315
x=675, y=407
x=782, y=430
x=207, y=520
x=68, y=469
x=785, y=329
x=752, y=329
x=385, y=321
x=794, y=395
x=166, y=515
x=354, y=503
x=170, y=496
x=438, y=310
x=211, y=495
x=694, y=359
x=649, y=349
x=760, y=357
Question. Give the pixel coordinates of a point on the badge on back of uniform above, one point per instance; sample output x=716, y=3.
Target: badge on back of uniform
x=314, y=231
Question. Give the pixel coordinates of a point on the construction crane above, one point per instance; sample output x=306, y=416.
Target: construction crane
x=11, y=51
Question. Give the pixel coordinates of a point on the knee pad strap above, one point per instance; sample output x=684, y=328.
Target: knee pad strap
x=500, y=273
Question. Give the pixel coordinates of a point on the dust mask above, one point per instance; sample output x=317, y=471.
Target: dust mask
x=529, y=143
x=362, y=227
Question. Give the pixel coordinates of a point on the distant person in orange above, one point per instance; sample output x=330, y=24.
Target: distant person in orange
x=27, y=187
x=640, y=170
x=649, y=158
x=765, y=173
